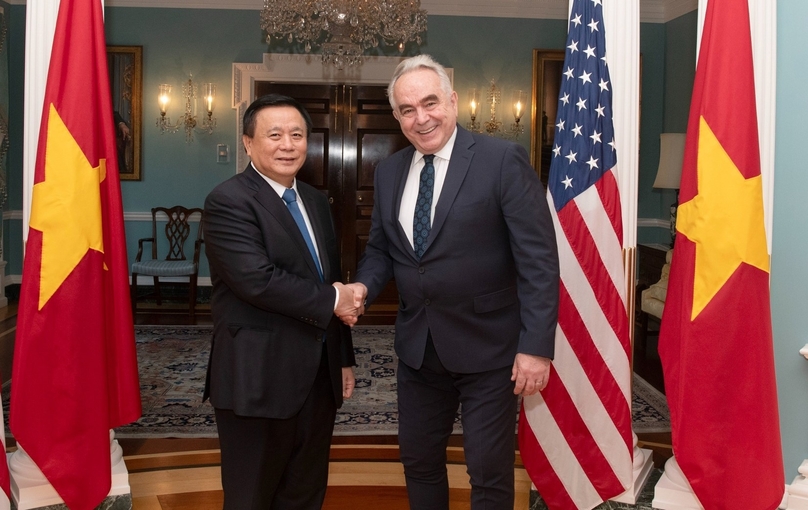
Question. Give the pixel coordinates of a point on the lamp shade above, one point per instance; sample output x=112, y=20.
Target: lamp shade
x=671, y=156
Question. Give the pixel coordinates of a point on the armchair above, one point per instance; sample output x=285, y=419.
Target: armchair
x=176, y=264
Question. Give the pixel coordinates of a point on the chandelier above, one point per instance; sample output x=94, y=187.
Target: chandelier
x=344, y=29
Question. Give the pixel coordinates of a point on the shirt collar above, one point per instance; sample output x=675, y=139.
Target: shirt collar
x=278, y=187
x=445, y=152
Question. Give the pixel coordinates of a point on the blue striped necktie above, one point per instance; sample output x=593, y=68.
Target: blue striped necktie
x=290, y=197
x=422, y=221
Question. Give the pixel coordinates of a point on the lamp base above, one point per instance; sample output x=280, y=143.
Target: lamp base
x=674, y=207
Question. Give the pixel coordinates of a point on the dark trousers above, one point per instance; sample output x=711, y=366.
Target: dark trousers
x=278, y=464
x=427, y=404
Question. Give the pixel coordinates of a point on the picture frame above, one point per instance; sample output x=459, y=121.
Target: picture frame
x=125, y=69
x=547, y=70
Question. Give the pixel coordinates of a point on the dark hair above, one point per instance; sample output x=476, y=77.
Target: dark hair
x=270, y=101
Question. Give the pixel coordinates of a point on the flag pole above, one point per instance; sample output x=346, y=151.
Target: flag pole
x=40, y=23
x=623, y=50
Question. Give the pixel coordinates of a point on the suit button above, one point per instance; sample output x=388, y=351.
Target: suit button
x=427, y=302
x=421, y=270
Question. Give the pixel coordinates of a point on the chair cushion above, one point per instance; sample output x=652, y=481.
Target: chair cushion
x=164, y=267
x=653, y=298
x=651, y=305
x=657, y=291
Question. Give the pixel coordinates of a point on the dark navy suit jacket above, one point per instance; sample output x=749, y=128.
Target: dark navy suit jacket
x=270, y=309
x=487, y=285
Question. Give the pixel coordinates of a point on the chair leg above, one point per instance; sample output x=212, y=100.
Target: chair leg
x=192, y=296
x=157, y=290
x=133, y=291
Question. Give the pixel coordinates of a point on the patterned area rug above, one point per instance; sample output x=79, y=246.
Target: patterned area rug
x=172, y=376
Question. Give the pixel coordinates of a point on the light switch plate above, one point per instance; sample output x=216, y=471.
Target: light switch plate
x=222, y=153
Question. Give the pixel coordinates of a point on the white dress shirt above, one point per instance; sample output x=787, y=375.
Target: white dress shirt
x=279, y=189
x=410, y=195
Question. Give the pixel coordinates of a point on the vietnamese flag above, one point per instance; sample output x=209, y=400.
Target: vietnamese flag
x=716, y=337
x=75, y=369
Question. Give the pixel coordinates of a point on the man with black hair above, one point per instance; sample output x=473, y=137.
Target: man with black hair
x=281, y=362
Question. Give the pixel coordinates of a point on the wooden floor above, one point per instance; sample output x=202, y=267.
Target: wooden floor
x=365, y=473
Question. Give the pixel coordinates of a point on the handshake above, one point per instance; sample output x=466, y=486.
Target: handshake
x=351, y=304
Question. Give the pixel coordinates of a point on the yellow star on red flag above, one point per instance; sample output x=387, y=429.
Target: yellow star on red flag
x=725, y=220
x=66, y=207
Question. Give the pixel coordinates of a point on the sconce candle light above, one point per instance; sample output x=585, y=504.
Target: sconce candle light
x=474, y=104
x=494, y=126
x=188, y=121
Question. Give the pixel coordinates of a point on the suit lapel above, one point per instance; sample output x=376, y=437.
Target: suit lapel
x=402, y=170
x=455, y=175
x=275, y=205
x=307, y=195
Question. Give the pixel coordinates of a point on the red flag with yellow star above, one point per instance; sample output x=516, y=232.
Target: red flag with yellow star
x=75, y=369
x=716, y=337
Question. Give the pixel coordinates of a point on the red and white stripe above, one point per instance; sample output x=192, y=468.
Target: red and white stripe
x=575, y=436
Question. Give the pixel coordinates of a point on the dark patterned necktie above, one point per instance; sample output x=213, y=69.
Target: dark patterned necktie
x=290, y=197
x=421, y=222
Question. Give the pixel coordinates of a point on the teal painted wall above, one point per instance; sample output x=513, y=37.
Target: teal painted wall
x=667, y=86
x=680, y=70
x=176, y=43
x=652, y=111
x=789, y=277
x=206, y=42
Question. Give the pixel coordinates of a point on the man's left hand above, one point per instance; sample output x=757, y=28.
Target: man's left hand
x=530, y=373
x=348, y=382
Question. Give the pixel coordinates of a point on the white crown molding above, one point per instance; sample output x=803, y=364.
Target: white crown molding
x=651, y=11
x=653, y=223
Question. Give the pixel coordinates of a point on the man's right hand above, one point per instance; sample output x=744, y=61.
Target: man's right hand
x=351, y=303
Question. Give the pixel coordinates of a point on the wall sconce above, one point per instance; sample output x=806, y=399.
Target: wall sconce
x=493, y=126
x=188, y=121
x=669, y=172
x=474, y=106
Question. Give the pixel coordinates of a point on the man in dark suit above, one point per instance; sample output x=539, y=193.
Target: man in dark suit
x=461, y=222
x=281, y=362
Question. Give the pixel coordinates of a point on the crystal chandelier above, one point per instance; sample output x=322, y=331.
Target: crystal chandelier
x=344, y=29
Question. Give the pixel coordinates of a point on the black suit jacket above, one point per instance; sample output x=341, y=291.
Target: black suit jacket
x=270, y=310
x=487, y=284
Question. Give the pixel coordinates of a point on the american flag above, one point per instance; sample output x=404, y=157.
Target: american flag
x=575, y=436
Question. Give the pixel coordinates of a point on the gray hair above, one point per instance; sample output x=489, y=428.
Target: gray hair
x=414, y=64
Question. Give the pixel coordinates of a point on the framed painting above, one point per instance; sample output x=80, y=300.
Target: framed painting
x=547, y=69
x=125, y=69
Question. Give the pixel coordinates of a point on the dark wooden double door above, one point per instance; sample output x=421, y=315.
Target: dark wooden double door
x=354, y=129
